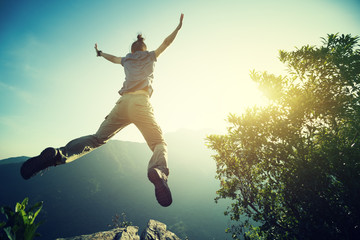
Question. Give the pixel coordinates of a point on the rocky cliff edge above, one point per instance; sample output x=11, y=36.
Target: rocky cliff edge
x=155, y=230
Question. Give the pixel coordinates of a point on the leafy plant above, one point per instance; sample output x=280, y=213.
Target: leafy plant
x=293, y=167
x=120, y=221
x=20, y=223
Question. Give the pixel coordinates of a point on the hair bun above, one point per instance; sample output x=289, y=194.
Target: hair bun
x=140, y=38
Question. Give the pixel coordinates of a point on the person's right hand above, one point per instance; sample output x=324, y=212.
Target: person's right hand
x=98, y=53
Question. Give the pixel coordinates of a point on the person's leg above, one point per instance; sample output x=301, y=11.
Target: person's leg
x=113, y=123
x=142, y=116
x=159, y=159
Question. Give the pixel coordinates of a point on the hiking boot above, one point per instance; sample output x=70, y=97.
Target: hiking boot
x=162, y=190
x=47, y=158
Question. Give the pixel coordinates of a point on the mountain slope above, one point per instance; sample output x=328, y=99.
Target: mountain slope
x=82, y=197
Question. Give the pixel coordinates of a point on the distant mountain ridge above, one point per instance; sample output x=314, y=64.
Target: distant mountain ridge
x=83, y=196
x=13, y=160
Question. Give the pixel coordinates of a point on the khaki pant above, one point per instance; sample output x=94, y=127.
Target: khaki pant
x=130, y=108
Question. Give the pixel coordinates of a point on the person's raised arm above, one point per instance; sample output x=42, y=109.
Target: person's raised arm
x=108, y=57
x=169, y=39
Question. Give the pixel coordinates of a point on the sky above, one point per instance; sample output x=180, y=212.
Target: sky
x=54, y=89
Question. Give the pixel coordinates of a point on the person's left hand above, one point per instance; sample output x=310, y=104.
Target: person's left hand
x=181, y=20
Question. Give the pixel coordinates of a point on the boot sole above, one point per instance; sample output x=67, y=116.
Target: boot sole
x=162, y=190
x=28, y=168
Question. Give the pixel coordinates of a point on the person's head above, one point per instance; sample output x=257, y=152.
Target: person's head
x=138, y=45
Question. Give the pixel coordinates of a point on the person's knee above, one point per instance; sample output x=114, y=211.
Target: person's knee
x=162, y=147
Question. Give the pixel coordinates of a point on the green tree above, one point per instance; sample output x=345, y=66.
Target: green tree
x=20, y=223
x=293, y=167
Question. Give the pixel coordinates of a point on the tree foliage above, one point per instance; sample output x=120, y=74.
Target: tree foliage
x=293, y=166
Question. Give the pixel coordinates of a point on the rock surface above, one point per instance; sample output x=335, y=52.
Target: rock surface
x=155, y=231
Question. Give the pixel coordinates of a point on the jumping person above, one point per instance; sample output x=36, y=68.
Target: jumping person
x=132, y=107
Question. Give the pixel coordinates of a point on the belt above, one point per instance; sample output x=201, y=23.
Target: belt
x=143, y=92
